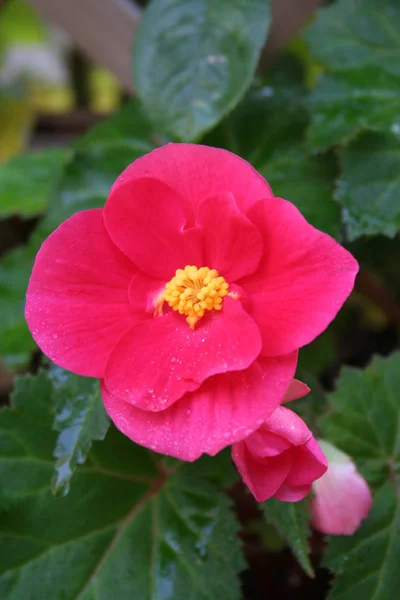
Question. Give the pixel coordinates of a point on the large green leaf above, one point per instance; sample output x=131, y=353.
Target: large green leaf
x=369, y=186
x=267, y=129
x=361, y=47
x=27, y=181
x=346, y=102
x=80, y=418
x=194, y=59
x=365, y=423
x=291, y=519
x=127, y=529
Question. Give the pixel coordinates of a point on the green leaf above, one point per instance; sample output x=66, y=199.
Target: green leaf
x=365, y=423
x=352, y=34
x=348, y=101
x=369, y=186
x=16, y=343
x=366, y=563
x=80, y=418
x=26, y=440
x=99, y=157
x=27, y=182
x=194, y=60
x=268, y=129
x=361, y=48
x=291, y=519
x=127, y=529
x=365, y=418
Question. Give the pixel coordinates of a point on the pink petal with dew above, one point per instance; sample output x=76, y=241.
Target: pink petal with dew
x=225, y=409
x=77, y=304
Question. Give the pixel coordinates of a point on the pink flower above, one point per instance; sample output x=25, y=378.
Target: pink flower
x=342, y=498
x=189, y=295
x=282, y=458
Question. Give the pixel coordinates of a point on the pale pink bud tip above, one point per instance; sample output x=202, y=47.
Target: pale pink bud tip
x=342, y=498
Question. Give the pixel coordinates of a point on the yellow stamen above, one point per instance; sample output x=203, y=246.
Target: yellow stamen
x=193, y=291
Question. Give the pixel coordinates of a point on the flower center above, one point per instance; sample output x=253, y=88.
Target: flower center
x=193, y=291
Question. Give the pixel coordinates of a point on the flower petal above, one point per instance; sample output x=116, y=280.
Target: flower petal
x=342, y=499
x=288, y=493
x=287, y=424
x=144, y=291
x=297, y=389
x=303, y=278
x=153, y=225
x=262, y=477
x=197, y=172
x=225, y=409
x=157, y=362
x=309, y=464
x=77, y=304
x=232, y=244
x=262, y=443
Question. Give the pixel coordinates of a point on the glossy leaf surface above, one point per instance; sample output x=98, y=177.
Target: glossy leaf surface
x=194, y=59
x=127, y=526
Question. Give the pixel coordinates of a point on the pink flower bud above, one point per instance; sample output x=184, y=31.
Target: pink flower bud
x=282, y=458
x=342, y=498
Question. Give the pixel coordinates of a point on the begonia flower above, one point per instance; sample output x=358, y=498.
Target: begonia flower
x=341, y=498
x=188, y=295
x=281, y=459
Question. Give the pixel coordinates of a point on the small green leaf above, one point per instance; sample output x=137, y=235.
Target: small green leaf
x=291, y=519
x=347, y=102
x=80, y=418
x=365, y=418
x=352, y=34
x=369, y=186
x=366, y=563
x=127, y=529
x=194, y=60
x=27, y=182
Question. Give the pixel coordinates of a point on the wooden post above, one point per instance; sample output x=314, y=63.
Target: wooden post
x=104, y=29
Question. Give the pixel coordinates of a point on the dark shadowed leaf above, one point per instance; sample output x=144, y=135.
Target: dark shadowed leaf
x=291, y=519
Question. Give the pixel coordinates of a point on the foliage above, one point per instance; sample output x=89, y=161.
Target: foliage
x=127, y=524
x=194, y=59
x=84, y=512
x=291, y=520
x=365, y=423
